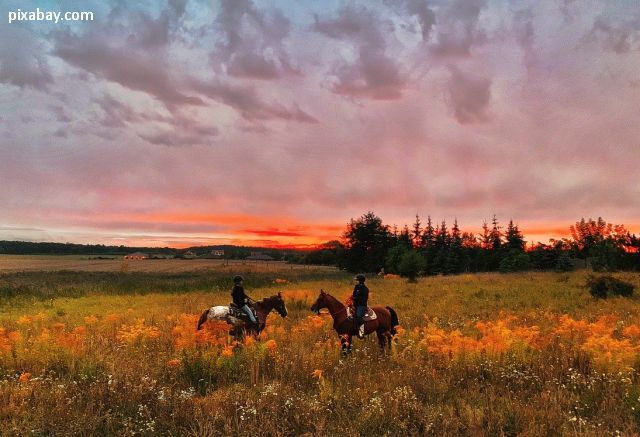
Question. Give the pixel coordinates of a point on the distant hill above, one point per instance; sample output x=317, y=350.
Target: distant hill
x=31, y=248
x=230, y=251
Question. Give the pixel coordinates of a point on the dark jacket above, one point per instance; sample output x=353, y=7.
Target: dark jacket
x=360, y=295
x=238, y=295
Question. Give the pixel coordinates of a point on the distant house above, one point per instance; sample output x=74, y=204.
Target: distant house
x=137, y=255
x=214, y=254
x=189, y=254
x=259, y=256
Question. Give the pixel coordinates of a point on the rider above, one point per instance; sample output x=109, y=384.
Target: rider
x=360, y=297
x=240, y=298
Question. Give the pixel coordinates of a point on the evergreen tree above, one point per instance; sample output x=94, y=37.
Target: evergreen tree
x=411, y=264
x=405, y=237
x=441, y=248
x=416, y=234
x=485, y=237
x=495, y=235
x=428, y=246
x=455, y=258
x=366, y=243
x=514, y=238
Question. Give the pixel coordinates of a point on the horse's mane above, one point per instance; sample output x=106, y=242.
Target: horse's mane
x=334, y=298
x=267, y=299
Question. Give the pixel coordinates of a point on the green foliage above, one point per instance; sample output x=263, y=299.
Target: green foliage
x=411, y=264
x=394, y=257
x=605, y=256
x=515, y=261
x=563, y=264
x=367, y=242
x=606, y=286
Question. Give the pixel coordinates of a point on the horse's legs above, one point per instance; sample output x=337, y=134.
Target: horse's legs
x=381, y=339
x=389, y=337
x=346, y=341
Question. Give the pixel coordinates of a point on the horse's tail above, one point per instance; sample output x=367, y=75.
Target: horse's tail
x=203, y=319
x=394, y=320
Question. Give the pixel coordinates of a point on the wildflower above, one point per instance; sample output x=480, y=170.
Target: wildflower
x=227, y=351
x=90, y=320
x=137, y=332
x=58, y=326
x=24, y=377
x=24, y=321
x=111, y=317
x=317, y=373
x=249, y=341
x=173, y=363
x=271, y=345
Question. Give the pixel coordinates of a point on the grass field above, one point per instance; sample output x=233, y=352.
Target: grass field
x=115, y=352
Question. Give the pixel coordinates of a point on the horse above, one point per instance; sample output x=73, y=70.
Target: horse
x=240, y=327
x=384, y=325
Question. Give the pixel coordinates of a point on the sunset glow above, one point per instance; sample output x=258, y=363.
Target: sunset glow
x=181, y=123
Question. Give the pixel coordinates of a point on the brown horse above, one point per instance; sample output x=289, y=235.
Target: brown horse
x=384, y=325
x=239, y=327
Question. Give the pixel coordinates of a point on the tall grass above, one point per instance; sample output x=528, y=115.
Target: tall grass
x=492, y=354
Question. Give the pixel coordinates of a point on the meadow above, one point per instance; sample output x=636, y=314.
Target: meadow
x=115, y=352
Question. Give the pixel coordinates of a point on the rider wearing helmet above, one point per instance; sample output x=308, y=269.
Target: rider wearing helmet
x=240, y=298
x=360, y=297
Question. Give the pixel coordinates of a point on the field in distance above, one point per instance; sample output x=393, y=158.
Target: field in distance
x=88, y=263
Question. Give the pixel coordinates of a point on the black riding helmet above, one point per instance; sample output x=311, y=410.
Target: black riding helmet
x=360, y=278
x=237, y=279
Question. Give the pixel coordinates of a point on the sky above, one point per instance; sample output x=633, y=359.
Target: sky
x=187, y=122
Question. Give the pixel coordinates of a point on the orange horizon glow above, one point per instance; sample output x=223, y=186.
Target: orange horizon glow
x=248, y=231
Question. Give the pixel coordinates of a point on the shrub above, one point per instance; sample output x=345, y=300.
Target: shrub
x=605, y=286
x=411, y=264
x=515, y=261
x=563, y=264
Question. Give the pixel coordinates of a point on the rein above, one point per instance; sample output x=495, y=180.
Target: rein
x=329, y=313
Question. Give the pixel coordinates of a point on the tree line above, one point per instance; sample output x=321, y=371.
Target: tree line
x=428, y=248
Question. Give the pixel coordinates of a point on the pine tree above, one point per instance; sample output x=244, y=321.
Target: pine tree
x=428, y=246
x=441, y=248
x=496, y=235
x=404, y=237
x=416, y=235
x=485, y=237
x=515, y=240
x=455, y=262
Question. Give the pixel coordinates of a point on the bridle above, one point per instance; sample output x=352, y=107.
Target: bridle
x=329, y=311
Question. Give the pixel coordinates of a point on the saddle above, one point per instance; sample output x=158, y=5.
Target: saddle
x=235, y=311
x=368, y=315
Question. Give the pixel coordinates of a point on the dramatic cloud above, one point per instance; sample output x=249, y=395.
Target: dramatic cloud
x=134, y=71
x=458, y=29
x=470, y=96
x=249, y=104
x=421, y=10
x=23, y=65
x=253, y=41
x=185, y=122
x=621, y=38
x=373, y=73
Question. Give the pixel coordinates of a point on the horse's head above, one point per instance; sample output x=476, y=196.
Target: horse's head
x=320, y=302
x=279, y=306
